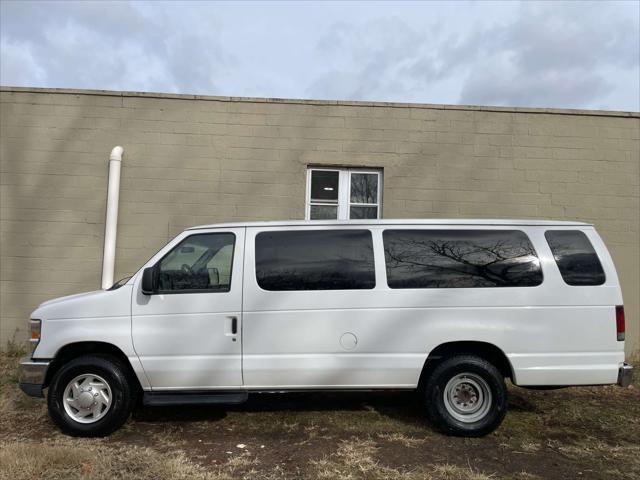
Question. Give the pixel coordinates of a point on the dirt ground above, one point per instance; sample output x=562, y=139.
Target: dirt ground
x=591, y=433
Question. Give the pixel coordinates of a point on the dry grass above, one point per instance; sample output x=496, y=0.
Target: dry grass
x=356, y=459
x=402, y=439
x=67, y=461
x=570, y=433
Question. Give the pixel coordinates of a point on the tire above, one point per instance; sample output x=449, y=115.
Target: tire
x=98, y=395
x=466, y=396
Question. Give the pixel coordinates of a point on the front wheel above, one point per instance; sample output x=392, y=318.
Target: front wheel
x=466, y=396
x=90, y=396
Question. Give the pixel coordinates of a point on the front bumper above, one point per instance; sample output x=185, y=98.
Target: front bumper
x=31, y=376
x=625, y=375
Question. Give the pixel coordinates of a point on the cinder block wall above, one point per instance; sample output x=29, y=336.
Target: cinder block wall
x=193, y=160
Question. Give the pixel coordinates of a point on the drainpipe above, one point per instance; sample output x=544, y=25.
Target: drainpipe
x=111, y=221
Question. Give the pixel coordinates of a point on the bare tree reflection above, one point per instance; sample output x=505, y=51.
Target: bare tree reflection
x=364, y=188
x=457, y=259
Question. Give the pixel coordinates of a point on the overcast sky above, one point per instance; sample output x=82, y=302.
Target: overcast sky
x=578, y=55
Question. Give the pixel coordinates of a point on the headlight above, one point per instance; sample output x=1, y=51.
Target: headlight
x=34, y=337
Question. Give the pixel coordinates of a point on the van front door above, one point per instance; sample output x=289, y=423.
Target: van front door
x=187, y=334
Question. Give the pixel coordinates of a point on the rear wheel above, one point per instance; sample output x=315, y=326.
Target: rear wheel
x=466, y=396
x=90, y=396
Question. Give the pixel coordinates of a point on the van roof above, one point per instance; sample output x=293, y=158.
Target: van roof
x=400, y=221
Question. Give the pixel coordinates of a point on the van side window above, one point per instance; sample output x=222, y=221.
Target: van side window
x=460, y=259
x=200, y=263
x=315, y=260
x=577, y=260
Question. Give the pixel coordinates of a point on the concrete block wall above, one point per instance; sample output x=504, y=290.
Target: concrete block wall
x=192, y=160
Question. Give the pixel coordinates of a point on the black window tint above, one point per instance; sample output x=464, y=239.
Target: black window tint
x=577, y=260
x=200, y=262
x=315, y=260
x=324, y=186
x=460, y=259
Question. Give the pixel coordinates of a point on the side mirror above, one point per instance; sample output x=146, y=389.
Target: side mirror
x=214, y=277
x=149, y=285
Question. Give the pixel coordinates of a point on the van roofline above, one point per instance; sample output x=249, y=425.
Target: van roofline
x=399, y=221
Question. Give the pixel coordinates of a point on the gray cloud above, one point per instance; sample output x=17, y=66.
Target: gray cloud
x=544, y=55
x=111, y=45
x=502, y=86
x=554, y=55
x=382, y=58
x=583, y=55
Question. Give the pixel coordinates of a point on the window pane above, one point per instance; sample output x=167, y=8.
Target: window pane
x=364, y=188
x=324, y=186
x=315, y=260
x=460, y=259
x=323, y=212
x=577, y=260
x=356, y=213
x=199, y=263
x=220, y=265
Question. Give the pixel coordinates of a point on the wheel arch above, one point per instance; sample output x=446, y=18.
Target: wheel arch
x=485, y=350
x=74, y=350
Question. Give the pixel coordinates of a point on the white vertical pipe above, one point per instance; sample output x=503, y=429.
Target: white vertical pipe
x=111, y=220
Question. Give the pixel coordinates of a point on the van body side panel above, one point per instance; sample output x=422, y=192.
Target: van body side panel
x=101, y=316
x=302, y=349
x=553, y=334
x=281, y=350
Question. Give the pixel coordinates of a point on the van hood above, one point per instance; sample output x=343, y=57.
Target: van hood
x=53, y=301
x=99, y=303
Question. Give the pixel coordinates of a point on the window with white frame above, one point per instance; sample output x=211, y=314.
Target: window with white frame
x=343, y=193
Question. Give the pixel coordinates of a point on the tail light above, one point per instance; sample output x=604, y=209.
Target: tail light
x=620, y=322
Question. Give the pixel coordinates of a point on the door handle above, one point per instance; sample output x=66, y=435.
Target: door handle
x=234, y=325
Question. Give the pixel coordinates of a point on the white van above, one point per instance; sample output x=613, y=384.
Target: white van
x=448, y=308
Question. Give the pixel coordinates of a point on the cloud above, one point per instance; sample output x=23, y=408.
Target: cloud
x=552, y=55
x=501, y=84
x=18, y=64
x=111, y=45
x=382, y=58
x=567, y=55
x=582, y=55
